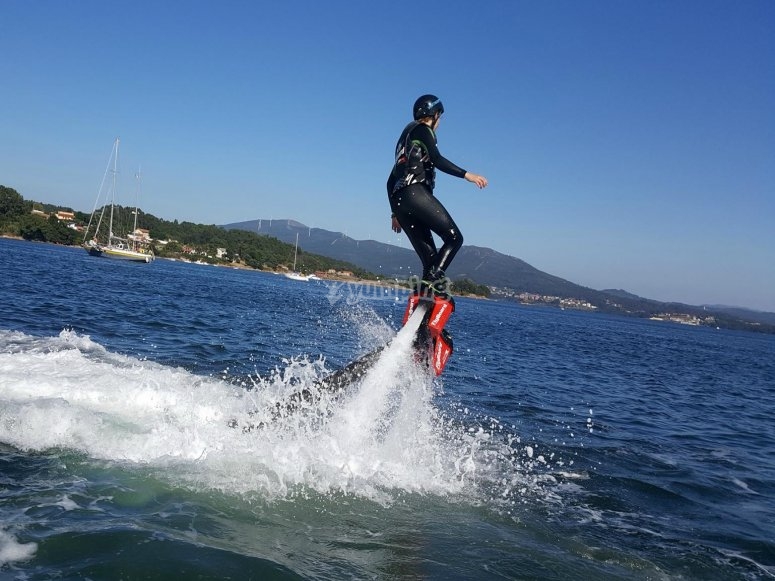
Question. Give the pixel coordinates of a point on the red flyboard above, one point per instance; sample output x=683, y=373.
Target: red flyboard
x=431, y=334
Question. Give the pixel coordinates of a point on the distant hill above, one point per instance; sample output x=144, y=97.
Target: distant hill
x=506, y=274
x=376, y=257
x=482, y=265
x=620, y=293
x=742, y=313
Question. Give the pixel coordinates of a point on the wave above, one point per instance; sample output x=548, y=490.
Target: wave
x=381, y=438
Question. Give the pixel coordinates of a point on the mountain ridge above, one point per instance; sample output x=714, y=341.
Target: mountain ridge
x=506, y=275
x=481, y=264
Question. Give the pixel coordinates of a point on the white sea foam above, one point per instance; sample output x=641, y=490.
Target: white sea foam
x=12, y=550
x=743, y=486
x=383, y=434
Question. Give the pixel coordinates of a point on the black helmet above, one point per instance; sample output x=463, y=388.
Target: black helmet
x=427, y=106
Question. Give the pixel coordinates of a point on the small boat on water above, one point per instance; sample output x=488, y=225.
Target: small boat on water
x=294, y=275
x=111, y=236
x=297, y=276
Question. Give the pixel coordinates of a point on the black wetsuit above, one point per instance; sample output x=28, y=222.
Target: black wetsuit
x=410, y=191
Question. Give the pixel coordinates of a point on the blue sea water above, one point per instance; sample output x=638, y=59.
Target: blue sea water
x=557, y=444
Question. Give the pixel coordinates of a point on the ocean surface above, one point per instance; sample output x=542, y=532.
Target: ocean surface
x=143, y=434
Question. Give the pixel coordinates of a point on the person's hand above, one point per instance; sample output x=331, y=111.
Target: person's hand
x=477, y=180
x=396, y=226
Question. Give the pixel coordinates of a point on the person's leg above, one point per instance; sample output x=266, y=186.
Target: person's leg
x=430, y=212
x=419, y=214
x=407, y=202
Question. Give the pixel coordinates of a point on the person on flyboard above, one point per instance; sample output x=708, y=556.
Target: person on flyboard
x=416, y=211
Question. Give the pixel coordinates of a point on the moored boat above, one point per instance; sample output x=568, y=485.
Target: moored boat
x=124, y=242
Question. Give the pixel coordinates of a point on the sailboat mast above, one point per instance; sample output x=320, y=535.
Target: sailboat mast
x=295, y=250
x=137, y=201
x=113, y=198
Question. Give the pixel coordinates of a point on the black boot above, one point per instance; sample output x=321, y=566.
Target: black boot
x=438, y=283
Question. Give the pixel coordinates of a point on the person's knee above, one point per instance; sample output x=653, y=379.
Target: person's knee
x=456, y=238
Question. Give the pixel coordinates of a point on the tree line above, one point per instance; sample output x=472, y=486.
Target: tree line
x=466, y=286
x=17, y=219
x=183, y=239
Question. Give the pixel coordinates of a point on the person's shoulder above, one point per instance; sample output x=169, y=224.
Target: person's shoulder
x=422, y=131
x=409, y=129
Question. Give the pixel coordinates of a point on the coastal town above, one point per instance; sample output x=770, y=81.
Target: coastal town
x=527, y=298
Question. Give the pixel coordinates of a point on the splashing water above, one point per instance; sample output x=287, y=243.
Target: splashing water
x=381, y=437
x=12, y=550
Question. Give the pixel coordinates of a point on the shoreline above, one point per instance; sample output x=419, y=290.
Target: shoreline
x=734, y=324
x=241, y=266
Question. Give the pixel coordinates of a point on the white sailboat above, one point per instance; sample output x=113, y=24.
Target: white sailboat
x=294, y=275
x=102, y=239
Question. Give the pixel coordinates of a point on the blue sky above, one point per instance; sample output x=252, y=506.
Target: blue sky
x=628, y=144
